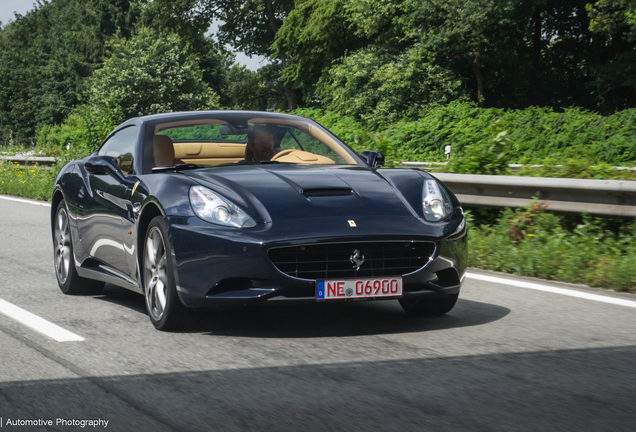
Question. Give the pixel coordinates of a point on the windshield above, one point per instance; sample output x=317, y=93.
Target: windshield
x=248, y=138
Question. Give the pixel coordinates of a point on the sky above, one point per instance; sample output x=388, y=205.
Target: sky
x=7, y=7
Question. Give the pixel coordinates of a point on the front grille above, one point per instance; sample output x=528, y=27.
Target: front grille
x=333, y=260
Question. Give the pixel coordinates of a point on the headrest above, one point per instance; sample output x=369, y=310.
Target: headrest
x=163, y=150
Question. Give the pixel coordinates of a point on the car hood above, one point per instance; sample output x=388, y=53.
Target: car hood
x=279, y=192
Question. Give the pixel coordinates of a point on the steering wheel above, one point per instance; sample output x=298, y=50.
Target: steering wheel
x=282, y=153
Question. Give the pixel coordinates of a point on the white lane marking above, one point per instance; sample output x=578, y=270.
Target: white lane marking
x=554, y=290
x=41, y=325
x=26, y=201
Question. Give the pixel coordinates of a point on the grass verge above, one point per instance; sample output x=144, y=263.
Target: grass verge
x=531, y=242
x=28, y=182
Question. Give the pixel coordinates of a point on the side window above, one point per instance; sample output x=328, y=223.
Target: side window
x=121, y=146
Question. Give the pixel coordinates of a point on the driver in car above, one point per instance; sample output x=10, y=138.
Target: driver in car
x=260, y=145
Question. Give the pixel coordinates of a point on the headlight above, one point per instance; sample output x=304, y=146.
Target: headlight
x=437, y=205
x=213, y=208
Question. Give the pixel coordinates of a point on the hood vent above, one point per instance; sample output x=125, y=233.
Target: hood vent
x=327, y=192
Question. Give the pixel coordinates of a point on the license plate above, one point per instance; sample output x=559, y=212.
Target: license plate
x=329, y=289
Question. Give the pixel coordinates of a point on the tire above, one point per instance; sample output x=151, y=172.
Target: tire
x=164, y=307
x=429, y=307
x=67, y=278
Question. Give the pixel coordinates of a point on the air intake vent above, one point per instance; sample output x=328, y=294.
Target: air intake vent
x=327, y=192
x=334, y=260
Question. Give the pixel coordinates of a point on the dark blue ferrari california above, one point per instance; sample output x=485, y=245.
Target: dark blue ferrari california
x=202, y=209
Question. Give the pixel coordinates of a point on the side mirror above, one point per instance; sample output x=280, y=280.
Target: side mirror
x=373, y=158
x=104, y=165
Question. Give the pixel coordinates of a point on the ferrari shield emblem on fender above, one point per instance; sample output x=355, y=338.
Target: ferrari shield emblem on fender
x=357, y=259
x=352, y=223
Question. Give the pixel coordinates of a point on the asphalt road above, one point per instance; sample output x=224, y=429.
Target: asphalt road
x=505, y=359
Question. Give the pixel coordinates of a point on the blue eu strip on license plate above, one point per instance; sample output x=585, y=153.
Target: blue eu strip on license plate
x=320, y=290
x=328, y=289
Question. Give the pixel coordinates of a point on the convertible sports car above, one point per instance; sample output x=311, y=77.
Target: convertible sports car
x=202, y=209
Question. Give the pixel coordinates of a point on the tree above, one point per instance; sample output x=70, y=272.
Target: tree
x=147, y=74
x=458, y=31
x=314, y=34
x=46, y=54
x=613, y=24
x=382, y=87
x=251, y=26
x=186, y=18
x=261, y=90
x=505, y=53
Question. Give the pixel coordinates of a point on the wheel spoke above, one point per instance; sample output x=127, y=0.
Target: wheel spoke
x=160, y=294
x=159, y=248
x=150, y=250
x=147, y=261
x=161, y=265
x=66, y=259
x=60, y=221
x=150, y=290
x=58, y=235
x=58, y=262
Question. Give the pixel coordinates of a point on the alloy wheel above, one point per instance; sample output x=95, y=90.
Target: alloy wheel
x=62, y=246
x=155, y=273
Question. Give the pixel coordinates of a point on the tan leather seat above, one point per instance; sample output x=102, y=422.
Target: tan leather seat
x=163, y=151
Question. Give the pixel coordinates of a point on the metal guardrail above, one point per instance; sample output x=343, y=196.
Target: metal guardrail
x=513, y=167
x=615, y=198
x=30, y=160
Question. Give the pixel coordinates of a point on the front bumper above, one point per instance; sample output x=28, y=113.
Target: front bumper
x=217, y=266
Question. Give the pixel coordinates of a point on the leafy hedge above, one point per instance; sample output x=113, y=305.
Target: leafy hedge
x=485, y=140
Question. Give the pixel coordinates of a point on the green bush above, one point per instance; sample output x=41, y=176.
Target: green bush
x=533, y=134
x=80, y=134
x=531, y=242
x=484, y=140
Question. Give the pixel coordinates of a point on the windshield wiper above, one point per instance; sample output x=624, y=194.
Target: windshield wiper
x=178, y=167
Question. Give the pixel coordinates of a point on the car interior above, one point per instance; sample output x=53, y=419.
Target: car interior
x=215, y=142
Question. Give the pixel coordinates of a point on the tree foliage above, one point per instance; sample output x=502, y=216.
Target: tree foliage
x=46, y=54
x=147, y=75
x=190, y=21
x=249, y=25
x=312, y=37
x=378, y=61
x=505, y=53
x=260, y=90
x=613, y=23
x=382, y=87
